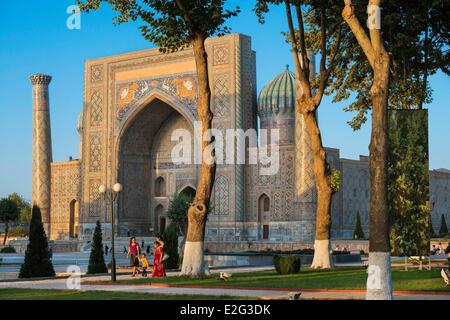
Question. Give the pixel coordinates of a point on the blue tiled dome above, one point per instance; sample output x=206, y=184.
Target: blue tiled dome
x=278, y=96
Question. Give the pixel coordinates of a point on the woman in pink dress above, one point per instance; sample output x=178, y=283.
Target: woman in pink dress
x=158, y=263
x=133, y=253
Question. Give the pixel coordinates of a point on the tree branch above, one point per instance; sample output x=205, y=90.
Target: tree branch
x=301, y=31
x=299, y=67
x=375, y=34
x=350, y=18
x=323, y=53
x=186, y=16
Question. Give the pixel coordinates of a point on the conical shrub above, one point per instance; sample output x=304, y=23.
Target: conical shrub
x=97, y=258
x=37, y=261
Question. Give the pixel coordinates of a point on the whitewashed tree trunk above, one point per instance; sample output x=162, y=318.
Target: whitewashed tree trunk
x=193, y=260
x=379, y=283
x=322, y=257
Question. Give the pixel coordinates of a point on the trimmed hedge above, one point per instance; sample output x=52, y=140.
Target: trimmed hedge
x=97, y=256
x=287, y=264
x=8, y=250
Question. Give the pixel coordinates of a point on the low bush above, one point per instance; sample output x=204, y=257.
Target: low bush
x=8, y=250
x=287, y=264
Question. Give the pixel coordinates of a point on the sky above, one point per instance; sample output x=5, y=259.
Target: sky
x=34, y=38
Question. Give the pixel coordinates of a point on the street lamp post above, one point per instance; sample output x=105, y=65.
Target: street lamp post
x=111, y=195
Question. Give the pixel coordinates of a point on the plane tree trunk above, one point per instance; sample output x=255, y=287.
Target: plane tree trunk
x=306, y=107
x=379, y=281
x=193, y=260
x=322, y=246
x=6, y=233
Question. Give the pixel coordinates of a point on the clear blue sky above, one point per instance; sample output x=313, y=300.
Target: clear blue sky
x=34, y=39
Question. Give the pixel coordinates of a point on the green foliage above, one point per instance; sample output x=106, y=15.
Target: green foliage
x=24, y=207
x=170, y=238
x=170, y=24
x=8, y=249
x=37, y=261
x=177, y=211
x=97, y=258
x=416, y=37
x=443, y=230
x=287, y=264
x=9, y=212
x=408, y=182
x=324, y=34
x=432, y=233
x=25, y=215
x=358, y=233
x=18, y=231
x=335, y=180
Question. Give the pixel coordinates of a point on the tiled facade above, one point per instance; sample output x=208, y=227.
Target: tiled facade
x=134, y=101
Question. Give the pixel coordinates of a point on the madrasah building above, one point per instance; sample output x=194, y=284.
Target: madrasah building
x=133, y=102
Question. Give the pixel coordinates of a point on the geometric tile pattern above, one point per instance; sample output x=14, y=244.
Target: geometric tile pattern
x=95, y=152
x=221, y=197
x=96, y=108
x=97, y=73
x=42, y=146
x=221, y=94
x=305, y=184
x=65, y=187
x=95, y=200
x=221, y=54
x=356, y=194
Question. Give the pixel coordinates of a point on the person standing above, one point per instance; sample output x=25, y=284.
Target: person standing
x=133, y=252
x=106, y=249
x=144, y=264
x=158, y=263
x=160, y=240
x=440, y=248
x=447, y=250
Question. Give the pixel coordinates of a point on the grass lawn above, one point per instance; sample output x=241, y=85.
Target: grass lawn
x=38, y=294
x=341, y=278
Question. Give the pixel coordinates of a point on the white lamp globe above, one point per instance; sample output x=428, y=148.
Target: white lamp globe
x=102, y=189
x=117, y=187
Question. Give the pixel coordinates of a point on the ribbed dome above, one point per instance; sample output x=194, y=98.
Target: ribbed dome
x=278, y=96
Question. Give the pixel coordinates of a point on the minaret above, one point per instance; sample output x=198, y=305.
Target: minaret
x=42, y=147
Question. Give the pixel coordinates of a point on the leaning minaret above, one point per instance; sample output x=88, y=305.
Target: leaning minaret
x=42, y=147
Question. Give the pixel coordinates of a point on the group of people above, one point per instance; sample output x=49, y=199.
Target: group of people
x=138, y=259
x=341, y=249
x=440, y=249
